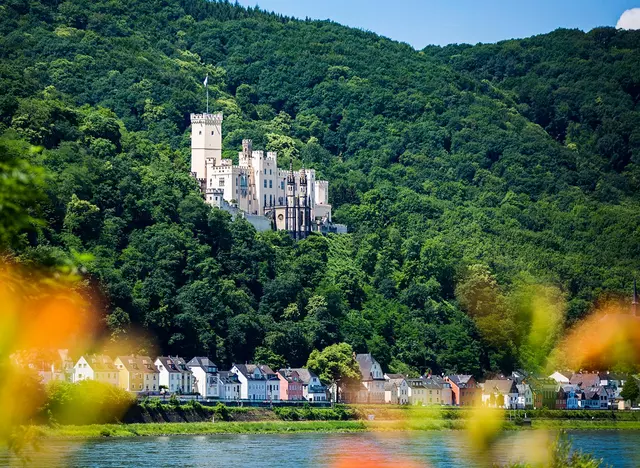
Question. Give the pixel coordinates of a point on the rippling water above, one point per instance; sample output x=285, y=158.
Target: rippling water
x=432, y=449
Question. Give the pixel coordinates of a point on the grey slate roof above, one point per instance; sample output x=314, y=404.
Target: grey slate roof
x=305, y=375
x=202, y=362
x=228, y=377
x=585, y=380
x=461, y=380
x=365, y=362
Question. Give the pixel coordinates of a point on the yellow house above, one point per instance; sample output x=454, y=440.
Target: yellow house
x=138, y=374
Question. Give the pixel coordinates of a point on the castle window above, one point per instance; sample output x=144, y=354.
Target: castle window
x=270, y=172
x=265, y=183
x=282, y=185
x=200, y=132
x=212, y=132
x=271, y=184
x=221, y=182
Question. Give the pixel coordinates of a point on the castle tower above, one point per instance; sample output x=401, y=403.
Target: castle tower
x=206, y=143
x=304, y=210
x=291, y=205
x=245, y=155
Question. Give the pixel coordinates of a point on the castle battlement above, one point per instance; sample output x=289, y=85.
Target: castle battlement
x=208, y=119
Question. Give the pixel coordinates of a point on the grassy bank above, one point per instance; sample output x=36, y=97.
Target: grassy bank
x=266, y=427
x=158, y=429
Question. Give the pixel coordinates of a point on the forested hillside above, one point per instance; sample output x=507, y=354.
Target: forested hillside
x=472, y=178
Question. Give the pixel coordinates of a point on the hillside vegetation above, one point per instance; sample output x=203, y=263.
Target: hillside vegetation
x=468, y=176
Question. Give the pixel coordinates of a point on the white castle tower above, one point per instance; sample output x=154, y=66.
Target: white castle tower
x=206, y=143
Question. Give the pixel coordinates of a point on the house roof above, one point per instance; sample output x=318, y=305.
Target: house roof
x=394, y=376
x=203, y=362
x=592, y=392
x=305, y=375
x=290, y=375
x=138, y=364
x=502, y=386
x=365, y=362
x=228, y=377
x=248, y=369
x=585, y=380
x=173, y=364
x=99, y=362
x=460, y=380
x=522, y=388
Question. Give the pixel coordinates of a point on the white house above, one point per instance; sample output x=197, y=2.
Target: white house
x=372, y=378
x=175, y=376
x=205, y=377
x=500, y=393
x=396, y=389
x=257, y=382
x=228, y=386
x=96, y=367
x=312, y=388
x=525, y=396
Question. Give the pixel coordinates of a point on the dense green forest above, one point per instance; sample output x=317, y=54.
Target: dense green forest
x=472, y=178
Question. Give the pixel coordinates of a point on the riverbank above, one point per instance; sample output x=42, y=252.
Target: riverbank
x=270, y=427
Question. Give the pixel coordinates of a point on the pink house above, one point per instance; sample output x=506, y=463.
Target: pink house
x=290, y=385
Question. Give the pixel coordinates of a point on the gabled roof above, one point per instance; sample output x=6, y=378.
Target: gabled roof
x=228, y=377
x=594, y=392
x=202, y=362
x=503, y=386
x=138, y=364
x=290, y=375
x=170, y=363
x=585, y=380
x=99, y=362
x=460, y=380
x=365, y=362
x=393, y=376
x=248, y=369
x=305, y=375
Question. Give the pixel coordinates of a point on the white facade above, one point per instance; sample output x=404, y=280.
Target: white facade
x=560, y=378
x=228, y=386
x=96, y=367
x=256, y=185
x=314, y=390
x=174, y=374
x=205, y=377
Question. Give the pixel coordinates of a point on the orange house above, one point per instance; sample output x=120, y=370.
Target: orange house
x=464, y=390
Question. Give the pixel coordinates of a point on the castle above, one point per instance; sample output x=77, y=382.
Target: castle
x=256, y=188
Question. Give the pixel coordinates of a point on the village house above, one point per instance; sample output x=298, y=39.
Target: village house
x=417, y=392
x=228, y=386
x=291, y=386
x=137, y=374
x=525, y=396
x=312, y=388
x=205, y=377
x=500, y=393
x=595, y=398
x=98, y=367
x=568, y=397
x=465, y=391
x=396, y=389
x=372, y=378
x=175, y=377
x=257, y=382
x=47, y=365
x=545, y=392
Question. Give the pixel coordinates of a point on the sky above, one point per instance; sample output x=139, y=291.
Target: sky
x=424, y=22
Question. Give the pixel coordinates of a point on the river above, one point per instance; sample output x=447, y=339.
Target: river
x=619, y=449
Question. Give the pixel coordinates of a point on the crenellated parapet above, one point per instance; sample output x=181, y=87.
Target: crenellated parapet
x=207, y=119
